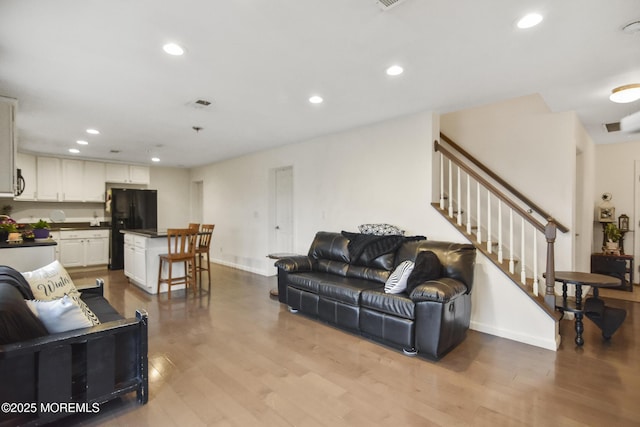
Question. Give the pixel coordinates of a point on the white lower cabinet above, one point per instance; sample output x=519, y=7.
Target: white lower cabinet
x=82, y=248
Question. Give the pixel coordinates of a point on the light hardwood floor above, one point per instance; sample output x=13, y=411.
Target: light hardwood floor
x=241, y=359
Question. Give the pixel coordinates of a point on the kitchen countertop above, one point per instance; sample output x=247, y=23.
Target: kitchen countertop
x=26, y=244
x=147, y=232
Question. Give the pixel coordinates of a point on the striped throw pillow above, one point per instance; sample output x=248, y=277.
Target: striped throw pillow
x=397, y=281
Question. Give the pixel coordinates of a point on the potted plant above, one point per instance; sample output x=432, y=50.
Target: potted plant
x=613, y=234
x=40, y=229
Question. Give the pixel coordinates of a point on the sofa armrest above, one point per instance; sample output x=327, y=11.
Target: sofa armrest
x=442, y=290
x=295, y=264
x=94, y=289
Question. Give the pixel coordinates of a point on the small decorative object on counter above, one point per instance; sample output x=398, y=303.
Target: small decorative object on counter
x=612, y=234
x=7, y=227
x=41, y=229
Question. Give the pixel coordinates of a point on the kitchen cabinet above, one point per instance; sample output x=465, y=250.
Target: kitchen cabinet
x=7, y=146
x=82, y=248
x=48, y=179
x=27, y=165
x=135, y=252
x=82, y=181
x=127, y=174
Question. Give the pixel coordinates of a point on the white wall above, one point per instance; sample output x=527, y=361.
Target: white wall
x=615, y=174
x=531, y=148
x=378, y=173
x=173, y=187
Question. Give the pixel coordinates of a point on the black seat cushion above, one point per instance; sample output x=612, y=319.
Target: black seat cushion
x=346, y=289
x=309, y=282
x=395, y=304
x=14, y=277
x=17, y=321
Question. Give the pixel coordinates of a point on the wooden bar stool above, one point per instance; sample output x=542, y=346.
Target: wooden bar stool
x=194, y=226
x=181, y=243
x=204, y=247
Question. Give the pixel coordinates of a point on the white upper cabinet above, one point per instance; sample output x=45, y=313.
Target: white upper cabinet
x=94, y=181
x=48, y=179
x=27, y=165
x=72, y=180
x=7, y=146
x=127, y=174
x=82, y=181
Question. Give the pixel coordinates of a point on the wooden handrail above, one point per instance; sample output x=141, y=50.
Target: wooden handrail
x=495, y=177
x=503, y=197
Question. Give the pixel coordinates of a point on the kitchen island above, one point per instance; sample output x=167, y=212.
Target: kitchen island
x=28, y=255
x=141, y=259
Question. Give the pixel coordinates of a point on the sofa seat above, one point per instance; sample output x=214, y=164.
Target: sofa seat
x=399, y=305
x=346, y=290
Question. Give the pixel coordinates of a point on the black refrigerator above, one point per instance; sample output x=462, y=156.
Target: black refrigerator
x=130, y=209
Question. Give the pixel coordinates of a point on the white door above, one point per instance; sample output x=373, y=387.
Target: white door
x=284, y=210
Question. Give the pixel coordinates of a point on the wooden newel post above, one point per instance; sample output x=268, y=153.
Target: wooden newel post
x=550, y=235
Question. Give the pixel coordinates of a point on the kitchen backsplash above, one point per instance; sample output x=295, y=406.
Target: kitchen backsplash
x=30, y=212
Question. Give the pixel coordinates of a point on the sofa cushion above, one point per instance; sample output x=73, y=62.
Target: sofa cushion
x=330, y=246
x=427, y=267
x=307, y=281
x=380, y=229
x=17, y=322
x=395, y=304
x=50, y=282
x=397, y=281
x=63, y=314
x=345, y=289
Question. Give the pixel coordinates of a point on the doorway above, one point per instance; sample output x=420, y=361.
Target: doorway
x=282, y=210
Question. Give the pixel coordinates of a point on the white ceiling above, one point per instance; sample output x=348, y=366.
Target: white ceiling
x=94, y=63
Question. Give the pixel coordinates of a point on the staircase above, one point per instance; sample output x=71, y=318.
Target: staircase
x=513, y=232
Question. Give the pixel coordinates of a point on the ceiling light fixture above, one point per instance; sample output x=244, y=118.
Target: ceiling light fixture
x=529, y=20
x=93, y=131
x=173, y=49
x=74, y=150
x=82, y=142
x=155, y=159
x=625, y=94
x=315, y=99
x=395, y=70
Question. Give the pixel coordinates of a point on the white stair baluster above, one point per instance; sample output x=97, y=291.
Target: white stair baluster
x=523, y=274
x=535, y=262
x=479, y=220
x=512, y=266
x=468, y=204
x=459, y=207
x=500, y=259
x=441, y=181
x=450, y=196
x=489, y=244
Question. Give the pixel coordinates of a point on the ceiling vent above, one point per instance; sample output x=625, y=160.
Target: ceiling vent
x=388, y=4
x=200, y=104
x=612, y=127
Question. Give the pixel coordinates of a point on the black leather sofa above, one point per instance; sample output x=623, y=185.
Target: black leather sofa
x=329, y=285
x=44, y=377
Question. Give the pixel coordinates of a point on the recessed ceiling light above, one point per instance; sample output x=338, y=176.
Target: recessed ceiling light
x=155, y=159
x=315, y=99
x=74, y=150
x=395, y=70
x=529, y=20
x=82, y=142
x=93, y=131
x=625, y=94
x=173, y=49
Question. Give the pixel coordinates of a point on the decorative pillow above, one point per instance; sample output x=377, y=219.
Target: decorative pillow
x=61, y=315
x=428, y=267
x=397, y=281
x=380, y=229
x=50, y=282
